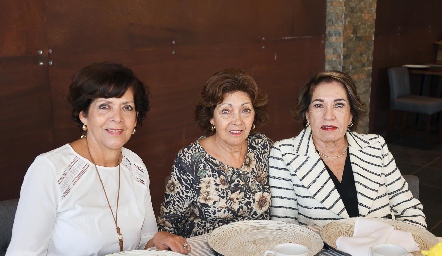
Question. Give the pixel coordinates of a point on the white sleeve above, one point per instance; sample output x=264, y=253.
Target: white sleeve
x=284, y=205
x=149, y=228
x=36, y=210
x=405, y=207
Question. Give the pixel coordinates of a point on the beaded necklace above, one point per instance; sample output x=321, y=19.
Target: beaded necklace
x=333, y=157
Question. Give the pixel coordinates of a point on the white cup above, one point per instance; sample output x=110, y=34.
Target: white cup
x=388, y=250
x=288, y=249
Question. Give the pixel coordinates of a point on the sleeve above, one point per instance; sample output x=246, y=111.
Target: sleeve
x=36, y=210
x=149, y=228
x=404, y=206
x=284, y=204
x=267, y=142
x=180, y=193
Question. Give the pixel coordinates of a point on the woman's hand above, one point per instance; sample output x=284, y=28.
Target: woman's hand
x=165, y=241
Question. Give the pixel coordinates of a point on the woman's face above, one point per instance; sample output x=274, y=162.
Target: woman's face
x=329, y=112
x=233, y=118
x=111, y=121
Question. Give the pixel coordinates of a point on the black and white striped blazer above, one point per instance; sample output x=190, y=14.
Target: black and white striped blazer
x=302, y=190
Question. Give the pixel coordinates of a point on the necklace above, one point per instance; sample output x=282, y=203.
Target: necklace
x=333, y=157
x=115, y=217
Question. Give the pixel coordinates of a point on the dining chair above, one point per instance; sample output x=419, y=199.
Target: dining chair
x=413, y=184
x=7, y=215
x=402, y=100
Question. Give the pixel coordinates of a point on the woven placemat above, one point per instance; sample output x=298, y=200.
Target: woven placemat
x=254, y=237
x=345, y=227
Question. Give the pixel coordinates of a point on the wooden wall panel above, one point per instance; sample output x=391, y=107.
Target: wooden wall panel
x=405, y=33
x=25, y=120
x=26, y=128
x=280, y=43
x=149, y=24
x=22, y=27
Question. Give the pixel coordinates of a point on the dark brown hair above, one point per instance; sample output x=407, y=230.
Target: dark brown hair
x=228, y=81
x=357, y=107
x=106, y=80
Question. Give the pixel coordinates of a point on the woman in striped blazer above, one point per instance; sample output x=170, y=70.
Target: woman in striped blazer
x=329, y=172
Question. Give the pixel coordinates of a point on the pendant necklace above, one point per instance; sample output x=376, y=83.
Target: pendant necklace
x=115, y=217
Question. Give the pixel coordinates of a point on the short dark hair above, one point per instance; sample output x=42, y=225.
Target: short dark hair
x=106, y=80
x=357, y=107
x=227, y=81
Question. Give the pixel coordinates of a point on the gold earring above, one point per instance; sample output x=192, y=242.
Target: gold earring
x=84, y=127
x=253, y=127
x=213, y=128
x=133, y=132
x=351, y=124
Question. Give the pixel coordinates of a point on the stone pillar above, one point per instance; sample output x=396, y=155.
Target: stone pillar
x=349, y=44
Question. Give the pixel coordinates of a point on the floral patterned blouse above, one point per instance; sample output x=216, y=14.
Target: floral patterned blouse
x=202, y=193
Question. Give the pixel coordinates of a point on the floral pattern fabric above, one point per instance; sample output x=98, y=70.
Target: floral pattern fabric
x=202, y=193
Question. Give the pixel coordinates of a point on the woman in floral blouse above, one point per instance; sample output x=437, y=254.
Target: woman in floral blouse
x=223, y=176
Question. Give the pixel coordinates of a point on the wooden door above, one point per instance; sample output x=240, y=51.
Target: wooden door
x=26, y=128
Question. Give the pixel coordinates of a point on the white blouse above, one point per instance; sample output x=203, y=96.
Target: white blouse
x=63, y=210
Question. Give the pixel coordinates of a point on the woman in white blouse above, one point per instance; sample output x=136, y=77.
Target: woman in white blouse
x=91, y=196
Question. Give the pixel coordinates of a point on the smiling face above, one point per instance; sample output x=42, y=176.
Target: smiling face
x=110, y=121
x=233, y=118
x=329, y=112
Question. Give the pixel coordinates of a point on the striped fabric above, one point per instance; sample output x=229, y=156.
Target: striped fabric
x=199, y=246
x=302, y=190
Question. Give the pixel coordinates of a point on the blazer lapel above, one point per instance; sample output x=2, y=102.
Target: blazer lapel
x=366, y=163
x=303, y=159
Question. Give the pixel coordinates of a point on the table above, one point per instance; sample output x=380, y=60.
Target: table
x=428, y=73
x=200, y=247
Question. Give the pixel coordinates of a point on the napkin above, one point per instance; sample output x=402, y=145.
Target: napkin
x=370, y=232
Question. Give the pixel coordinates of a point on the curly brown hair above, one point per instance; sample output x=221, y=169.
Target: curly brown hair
x=357, y=107
x=227, y=81
x=106, y=80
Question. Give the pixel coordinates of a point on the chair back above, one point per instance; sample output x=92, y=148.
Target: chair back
x=399, y=81
x=7, y=215
x=413, y=184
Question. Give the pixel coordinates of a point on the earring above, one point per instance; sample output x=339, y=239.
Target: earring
x=84, y=127
x=213, y=128
x=351, y=124
x=253, y=127
x=307, y=124
x=133, y=132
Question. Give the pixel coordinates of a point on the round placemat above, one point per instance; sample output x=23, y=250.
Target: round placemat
x=254, y=237
x=345, y=227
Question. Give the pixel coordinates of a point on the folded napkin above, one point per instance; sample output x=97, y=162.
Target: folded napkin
x=370, y=232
